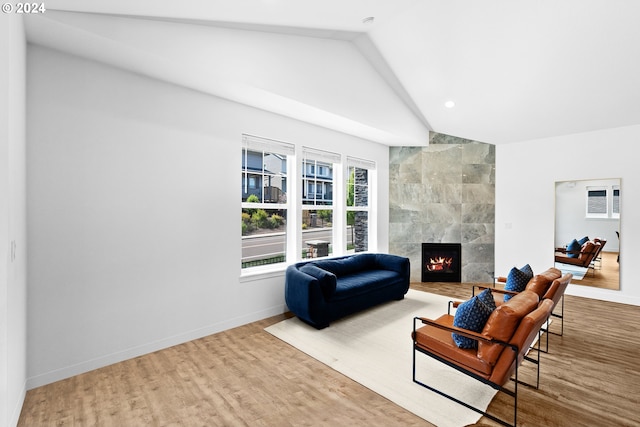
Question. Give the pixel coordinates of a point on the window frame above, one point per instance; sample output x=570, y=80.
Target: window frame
x=266, y=146
x=320, y=171
x=333, y=180
x=610, y=201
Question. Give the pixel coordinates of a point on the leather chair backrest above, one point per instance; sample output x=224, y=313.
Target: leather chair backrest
x=502, y=323
x=588, y=252
x=540, y=282
x=523, y=338
x=557, y=288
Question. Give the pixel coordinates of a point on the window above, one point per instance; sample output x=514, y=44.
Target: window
x=264, y=200
x=357, y=203
x=603, y=202
x=317, y=201
x=615, y=209
x=596, y=202
x=293, y=209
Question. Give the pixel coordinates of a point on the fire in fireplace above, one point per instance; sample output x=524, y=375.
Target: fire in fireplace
x=441, y=262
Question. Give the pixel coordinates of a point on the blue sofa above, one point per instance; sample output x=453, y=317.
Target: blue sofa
x=321, y=291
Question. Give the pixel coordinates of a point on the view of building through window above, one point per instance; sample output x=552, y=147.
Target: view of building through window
x=317, y=202
x=266, y=203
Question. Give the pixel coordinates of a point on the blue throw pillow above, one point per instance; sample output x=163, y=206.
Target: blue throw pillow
x=471, y=315
x=487, y=299
x=584, y=240
x=516, y=281
x=573, y=249
x=527, y=269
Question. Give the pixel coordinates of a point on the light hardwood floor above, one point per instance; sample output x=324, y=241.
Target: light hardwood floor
x=246, y=377
x=606, y=275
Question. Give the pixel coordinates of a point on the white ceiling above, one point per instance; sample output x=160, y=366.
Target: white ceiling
x=516, y=70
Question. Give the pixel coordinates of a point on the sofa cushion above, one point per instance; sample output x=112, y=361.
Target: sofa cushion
x=573, y=249
x=502, y=323
x=517, y=280
x=348, y=265
x=364, y=281
x=326, y=279
x=471, y=315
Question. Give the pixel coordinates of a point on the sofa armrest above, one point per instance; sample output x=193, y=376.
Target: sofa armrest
x=304, y=295
x=395, y=263
x=327, y=280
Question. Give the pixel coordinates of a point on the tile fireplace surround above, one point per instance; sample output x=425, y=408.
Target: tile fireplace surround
x=444, y=193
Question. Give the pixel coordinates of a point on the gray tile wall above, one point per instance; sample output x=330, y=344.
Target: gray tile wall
x=444, y=193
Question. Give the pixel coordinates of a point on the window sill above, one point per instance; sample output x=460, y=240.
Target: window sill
x=263, y=272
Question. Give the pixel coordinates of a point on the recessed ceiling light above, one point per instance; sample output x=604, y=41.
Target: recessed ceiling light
x=369, y=20
x=449, y=104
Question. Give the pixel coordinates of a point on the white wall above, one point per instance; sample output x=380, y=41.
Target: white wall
x=133, y=213
x=13, y=239
x=525, y=196
x=324, y=81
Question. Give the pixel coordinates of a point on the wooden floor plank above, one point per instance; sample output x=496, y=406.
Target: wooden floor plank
x=247, y=377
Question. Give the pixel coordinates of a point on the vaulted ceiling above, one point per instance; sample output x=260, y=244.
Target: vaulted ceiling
x=516, y=70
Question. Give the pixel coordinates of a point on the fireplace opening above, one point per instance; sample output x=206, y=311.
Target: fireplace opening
x=441, y=262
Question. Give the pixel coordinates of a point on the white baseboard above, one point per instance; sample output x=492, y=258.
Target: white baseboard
x=99, y=362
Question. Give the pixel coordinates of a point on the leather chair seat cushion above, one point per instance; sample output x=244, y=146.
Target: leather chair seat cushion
x=503, y=322
x=440, y=342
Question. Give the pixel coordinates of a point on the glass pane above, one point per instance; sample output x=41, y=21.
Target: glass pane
x=597, y=202
x=317, y=180
x=317, y=233
x=263, y=236
x=264, y=177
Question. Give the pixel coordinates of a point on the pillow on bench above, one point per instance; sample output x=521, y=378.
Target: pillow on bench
x=473, y=315
x=517, y=280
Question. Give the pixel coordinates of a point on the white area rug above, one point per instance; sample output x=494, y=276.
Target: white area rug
x=577, y=271
x=374, y=348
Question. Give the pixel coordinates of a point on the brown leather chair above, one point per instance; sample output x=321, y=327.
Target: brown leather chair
x=555, y=293
x=539, y=283
x=503, y=345
x=548, y=285
x=585, y=257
